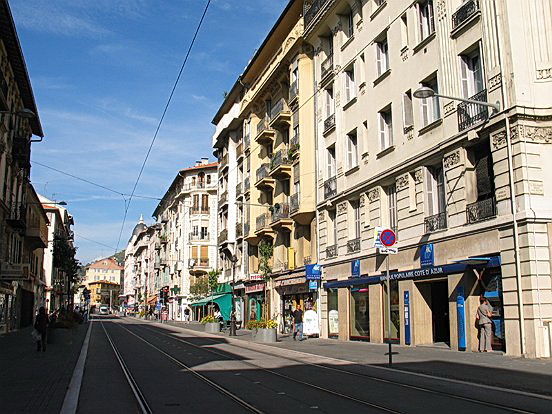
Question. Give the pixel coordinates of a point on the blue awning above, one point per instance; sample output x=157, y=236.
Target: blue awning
x=433, y=271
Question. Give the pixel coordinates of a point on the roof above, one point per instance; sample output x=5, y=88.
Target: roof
x=200, y=167
x=107, y=263
x=9, y=37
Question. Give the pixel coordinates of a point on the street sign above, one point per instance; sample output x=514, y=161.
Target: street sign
x=313, y=272
x=389, y=250
x=355, y=268
x=427, y=255
x=313, y=284
x=377, y=234
x=388, y=237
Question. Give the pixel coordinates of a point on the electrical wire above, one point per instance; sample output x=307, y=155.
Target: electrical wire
x=161, y=121
x=93, y=241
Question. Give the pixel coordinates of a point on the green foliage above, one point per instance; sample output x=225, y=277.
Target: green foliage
x=200, y=287
x=266, y=250
x=212, y=279
x=64, y=258
x=207, y=319
x=293, y=152
x=262, y=324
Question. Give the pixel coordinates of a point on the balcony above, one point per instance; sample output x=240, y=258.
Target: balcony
x=313, y=10
x=239, y=151
x=468, y=9
x=280, y=217
x=436, y=222
x=280, y=115
x=329, y=123
x=164, y=238
x=330, y=188
x=239, y=189
x=294, y=142
x=223, y=199
x=246, y=185
x=293, y=91
x=294, y=203
x=246, y=141
x=265, y=134
x=246, y=228
x=470, y=114
x=18, y=215
x=263, y=177
x=199, y=185
x=21, y=152
x=223, y=162
x=223, y=236
x=263, y=225
x=481, y=210
x=3, y=92
x=199, y=210
x=200, y=263
x=37, y=235
x=353, y=246
x=199, y=237
x=326, y=69
x=331, y=251
x=239, y=230
x=280, y=164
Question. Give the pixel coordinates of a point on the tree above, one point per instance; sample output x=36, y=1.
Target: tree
x=212, y=278
x=266, y=249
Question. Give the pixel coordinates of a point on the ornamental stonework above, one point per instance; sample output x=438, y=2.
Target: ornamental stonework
x=543, y=74
x=362, y=201
x=499, y=140
x=535, y=134
x=374, y=194
x=495, y=82
x=452, y=159
x=418, y=176
x=402, y=182
x=342, y=208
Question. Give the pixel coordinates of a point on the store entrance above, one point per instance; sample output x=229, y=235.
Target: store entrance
x=440, y=311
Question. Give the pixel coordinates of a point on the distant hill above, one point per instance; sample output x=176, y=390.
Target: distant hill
x=119, y=257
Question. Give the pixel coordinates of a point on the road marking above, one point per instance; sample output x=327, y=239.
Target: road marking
x=71, y=400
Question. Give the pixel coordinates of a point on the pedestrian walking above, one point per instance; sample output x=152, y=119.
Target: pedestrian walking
x=187, y=315
x=297, y=323
x=483, y=320
x=41, y=325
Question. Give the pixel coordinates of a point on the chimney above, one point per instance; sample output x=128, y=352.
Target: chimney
x=204, y=160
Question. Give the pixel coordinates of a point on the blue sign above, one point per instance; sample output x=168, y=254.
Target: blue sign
x=461, y=313
x=355, y=268
x=313, y=271
x=313, y=284
x=407, y=317
x=427, y=255
x=158, y=306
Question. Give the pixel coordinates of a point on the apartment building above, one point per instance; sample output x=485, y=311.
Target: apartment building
x=263, y=126
x=103, y=279
x=187, y=222
x=464, y=186
x=18, y=123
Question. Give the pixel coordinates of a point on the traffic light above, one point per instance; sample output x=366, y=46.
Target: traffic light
x=165, y=291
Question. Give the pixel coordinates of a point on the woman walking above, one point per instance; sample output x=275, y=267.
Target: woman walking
x=41, y=325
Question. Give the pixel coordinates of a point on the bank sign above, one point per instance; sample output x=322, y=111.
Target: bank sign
x=427, y=255
x=426, y=272
x=313, y=272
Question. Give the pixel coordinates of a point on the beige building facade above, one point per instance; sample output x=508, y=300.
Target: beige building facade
x=439, y=172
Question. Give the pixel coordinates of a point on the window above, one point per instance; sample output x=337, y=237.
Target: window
x=350, y=88
x=330, y=108
x=356, y=218
x=430, y=107
x=392, y=212
x=385, y=128
x=483, y=169
x=408, y=113
x=352, y=149
x=331, y=162
x=194, y=230
x=404, y=31
x=208, y=178
x=435, y=190
x=333, y=224
x=425, y=16
x=382, y=56
x=349, y=25
x=471, y=71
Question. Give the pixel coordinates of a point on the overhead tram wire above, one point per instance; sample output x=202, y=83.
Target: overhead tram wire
x=161, y=120
x=124, y=195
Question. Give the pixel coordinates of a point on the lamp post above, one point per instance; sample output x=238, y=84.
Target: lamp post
x=425, y=92
x=233, y=259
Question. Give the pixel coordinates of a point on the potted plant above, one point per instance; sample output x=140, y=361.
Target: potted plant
x=211, y=324
x=266, y=331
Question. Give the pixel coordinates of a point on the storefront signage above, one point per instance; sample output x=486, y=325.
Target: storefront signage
x=289, y=281
x=428, y=271
x=407, y=317
x=18, y=271
x=313, y=271
x=377, y=234
x=313, y=284
x=257, y=287
x=427, y=255
x=310, y=323
x=255, y=276
x=461, y=314
x=333, y=322
x=355, y=268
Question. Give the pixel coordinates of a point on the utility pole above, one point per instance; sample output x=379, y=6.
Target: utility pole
x=389, y=311
x=233, y=260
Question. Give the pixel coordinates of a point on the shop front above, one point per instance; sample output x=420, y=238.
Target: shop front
x=254, y=300
x=293, y=292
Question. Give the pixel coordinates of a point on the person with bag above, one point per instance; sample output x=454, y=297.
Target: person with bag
x=41, y=326
x=484, y=323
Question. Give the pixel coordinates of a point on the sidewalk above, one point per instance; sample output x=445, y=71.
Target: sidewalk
x=37, y=381
x=530, y=375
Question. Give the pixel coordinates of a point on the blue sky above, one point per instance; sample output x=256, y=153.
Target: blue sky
x=102, y=72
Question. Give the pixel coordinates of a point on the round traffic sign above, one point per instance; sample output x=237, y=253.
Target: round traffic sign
x=388, y=238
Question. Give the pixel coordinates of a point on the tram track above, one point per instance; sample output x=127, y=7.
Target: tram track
x=470, y=399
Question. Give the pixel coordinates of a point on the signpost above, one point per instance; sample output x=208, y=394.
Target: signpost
x=388, y=239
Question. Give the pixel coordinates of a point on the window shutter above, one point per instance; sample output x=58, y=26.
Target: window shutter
x=379, y=58
x=347, y=86
x=430, y=21
x=441, y=196
x=194, y=252
x=464, y=76
x=407, y=110
x=204, y=252
x=429, y=183
x=483, y=177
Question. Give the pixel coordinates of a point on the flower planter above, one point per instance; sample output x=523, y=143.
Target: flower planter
x=212, y=327
x=266, y=335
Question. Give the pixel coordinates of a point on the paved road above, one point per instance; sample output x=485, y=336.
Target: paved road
x=134, y=366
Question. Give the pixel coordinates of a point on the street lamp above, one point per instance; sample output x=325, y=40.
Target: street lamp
x=425, y=92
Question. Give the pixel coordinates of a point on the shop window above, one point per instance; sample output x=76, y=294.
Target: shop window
x=360, y=313
x=395, y=312
x=333, y=314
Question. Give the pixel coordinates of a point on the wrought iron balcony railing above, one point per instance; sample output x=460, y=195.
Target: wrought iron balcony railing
x=262, y=221
x=468, y=9
x=223, y=162
x=293, y=90
x=18, y=215
x=280, y=158
x=239, y=229
x=239, y=189
x=353, y=245
x=263, y=171
x=470, y=114
x=280, y=213
x=223, y=236
x=329, y=122
x=246, y=141
x=294, y=142
x=262, y=125
x=246, y=184
x=199, y=210
x=330, y=187
x=246, y=228
x=312, y=11
x=331, y=251
x=280, y=106
x=294, y=202
x=239, y=150
x=199, y=237
x=326, y=67
x=481, y=210
x=435, y=222
x=223, y=198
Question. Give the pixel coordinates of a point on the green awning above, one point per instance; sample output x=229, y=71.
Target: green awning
x=224, y=302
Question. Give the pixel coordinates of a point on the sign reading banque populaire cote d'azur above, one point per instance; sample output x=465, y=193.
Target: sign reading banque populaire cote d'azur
x=313, y=272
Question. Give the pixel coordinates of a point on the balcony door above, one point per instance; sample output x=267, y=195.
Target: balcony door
x=471, y=70
x=331, y=162
x=435, y=189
